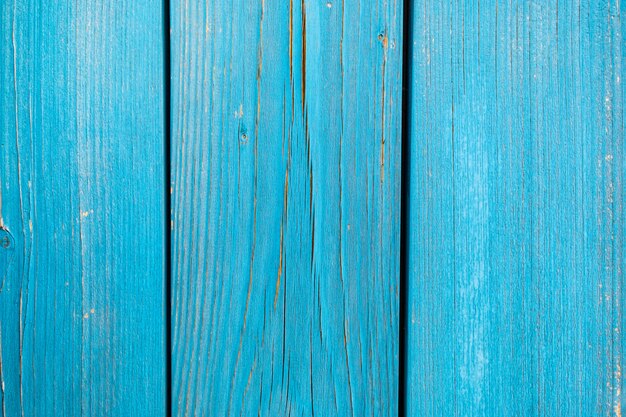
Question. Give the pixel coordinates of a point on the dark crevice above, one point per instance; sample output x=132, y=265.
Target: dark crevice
x=407, y=54
x=168, y=205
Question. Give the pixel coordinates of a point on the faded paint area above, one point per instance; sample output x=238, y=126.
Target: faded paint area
x=516, y=224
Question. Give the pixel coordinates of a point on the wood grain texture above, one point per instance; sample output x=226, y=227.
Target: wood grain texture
x=82, y=194
x=286, y=204
x=516, y=225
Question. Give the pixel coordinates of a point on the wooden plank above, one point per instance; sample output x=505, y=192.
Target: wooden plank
x=286, y=201
x=82, y=317
x=516, y=225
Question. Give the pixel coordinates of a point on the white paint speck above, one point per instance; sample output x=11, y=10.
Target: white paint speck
x=239, y=112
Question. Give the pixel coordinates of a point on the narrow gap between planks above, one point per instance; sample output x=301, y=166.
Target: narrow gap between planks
x=407, y=54
x=168, y=204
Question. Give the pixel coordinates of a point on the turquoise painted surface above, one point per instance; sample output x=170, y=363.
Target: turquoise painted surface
x=82, y=193
x=286, y=207
x=516, y=209
x=285, y=224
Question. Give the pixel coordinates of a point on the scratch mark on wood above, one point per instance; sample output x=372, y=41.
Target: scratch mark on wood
x=258, y=73
x=291, y=44
x=303, y=55
x=282, y=228
x=4, y=411
x=383, y=125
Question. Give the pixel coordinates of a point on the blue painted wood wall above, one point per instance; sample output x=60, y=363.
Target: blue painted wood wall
x=312, y=208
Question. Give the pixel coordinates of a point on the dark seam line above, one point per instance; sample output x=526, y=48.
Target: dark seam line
x=168, y=205
x=407, y=54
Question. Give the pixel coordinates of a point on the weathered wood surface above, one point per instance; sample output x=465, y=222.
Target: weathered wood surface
x=516, y=212
x=82, y=325
x=286, y=203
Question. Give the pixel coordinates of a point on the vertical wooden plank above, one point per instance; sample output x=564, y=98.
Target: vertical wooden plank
x=82, y=194
x=516, y=224
x=286, y=200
